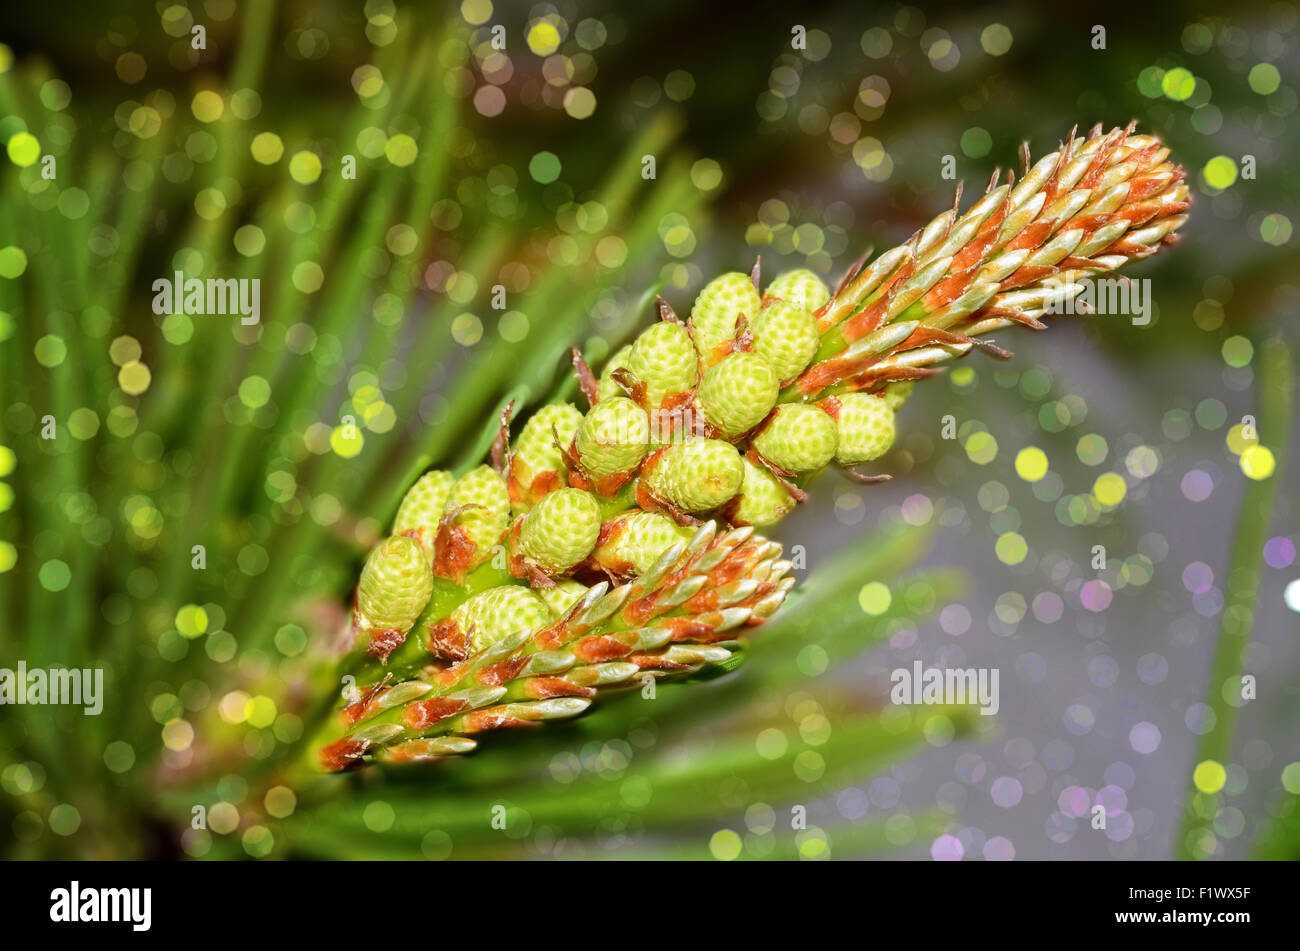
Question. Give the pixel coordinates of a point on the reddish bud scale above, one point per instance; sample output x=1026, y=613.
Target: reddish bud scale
x=454, y=552
x=604, y=486
x=598, y=649
x=497, y=674
x=709, y=599
x=643, y=609
x=418, y=751
x=734, y=568
x=480, y=721
x=342, y=753
x=692, y=629
x=384, y=641
x=450, y=675
x=448, y=640
x=544, y=688
x=363, y=708
x=870, y=318
x=518, y=566
x=541, y=484
x=657, y=662
x=968, y=259
x=422, y=714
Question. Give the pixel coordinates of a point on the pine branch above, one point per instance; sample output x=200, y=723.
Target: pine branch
x=725, y=418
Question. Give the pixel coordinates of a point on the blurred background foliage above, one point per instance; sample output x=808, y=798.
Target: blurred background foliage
x=283, y=448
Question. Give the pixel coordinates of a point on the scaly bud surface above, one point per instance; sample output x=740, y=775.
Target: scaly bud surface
x=475, y=517
x=395, y=585
x=630, y=543
x=762, y=500
x=719, y=304
x=798, y=438
x=679, y=615
x=865, y=424
x=421, y=510
x=696, y=475
x=560, y=531
x=612, y=439
x=802, y=288
x=537, y=463
x=663, y=358
x=786, y=336
x=486, y=618
x=737, y=392
x=1091, y=206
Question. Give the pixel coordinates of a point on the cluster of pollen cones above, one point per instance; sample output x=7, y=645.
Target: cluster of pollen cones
x=607, y=546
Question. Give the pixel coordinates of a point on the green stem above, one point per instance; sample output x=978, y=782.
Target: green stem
x=1237, y=621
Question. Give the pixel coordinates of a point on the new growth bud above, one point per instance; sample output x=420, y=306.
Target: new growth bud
x=560, y=531
x=798, y=438
x=611, y=441
x=475, y=517
x=719, y=304
x=865, y=424
x=395, y=585
x=537, y=463
x=631, y=543
x=695, y=476
x=737, y=392
x=802, y=289
x=486, y=618
x=664, y=360
x=421, y=510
